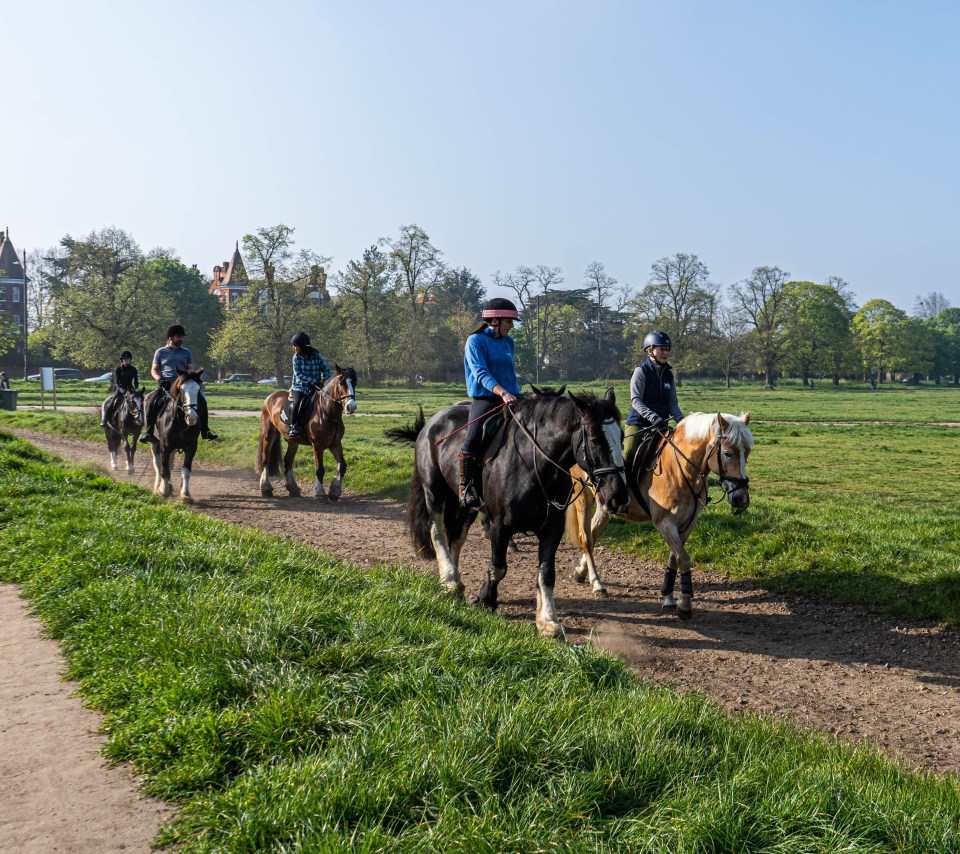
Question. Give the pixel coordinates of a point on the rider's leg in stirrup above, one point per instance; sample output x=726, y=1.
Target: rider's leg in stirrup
x=297, y=398
x=204, y=414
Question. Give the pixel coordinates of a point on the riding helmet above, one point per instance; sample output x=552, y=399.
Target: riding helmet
x=301, y=339
x=126, y=354
x=499, y=307
x=176, y=329
x=657, y=338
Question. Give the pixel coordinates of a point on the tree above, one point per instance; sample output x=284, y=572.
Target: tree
x=417, y=268
x=928, y=307
x=277, y=303
x=762, y=301
x=105, y=297
x=817, y=329
x=878, y=329
x=680, y=299
x=731, y=344
x=363, y=290
x=946, y=329
x=537, y=291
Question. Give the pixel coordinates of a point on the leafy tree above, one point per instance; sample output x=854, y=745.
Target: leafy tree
x=277, y=303
x=680, y=299
x=537, y=290
x=461, y=287
x=878, y=329
x=105, y=296
x=762, y=299
x=817, y=328
x=9, y=334
x=946, y=330
x=364, y=305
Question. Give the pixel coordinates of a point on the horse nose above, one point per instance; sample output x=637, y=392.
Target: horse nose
x=351, y=407
x=740, y=500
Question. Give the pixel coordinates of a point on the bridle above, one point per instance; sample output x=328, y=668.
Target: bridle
x=586, y=463
x=350, y=394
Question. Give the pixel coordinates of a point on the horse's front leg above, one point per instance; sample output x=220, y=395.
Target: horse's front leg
x=548, y=621
x=678, y=562
x=288, y=476
x=130, y=450
x=499, y=543
x=161, y=465
x=185, y=472
x=318, y=473
x=336, y=485
x=447, y=545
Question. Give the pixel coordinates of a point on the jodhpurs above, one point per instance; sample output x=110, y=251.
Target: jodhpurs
x=478, y=408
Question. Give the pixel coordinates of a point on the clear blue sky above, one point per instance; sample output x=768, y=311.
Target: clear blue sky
x=821, y=137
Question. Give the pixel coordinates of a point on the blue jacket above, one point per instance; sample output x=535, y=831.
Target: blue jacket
x=487, y=361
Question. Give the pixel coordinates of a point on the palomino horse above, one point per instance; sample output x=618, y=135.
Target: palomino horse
x=525, y=484
x=124, y=421
x=177, y=429
x=670, y=494
x=323, y=431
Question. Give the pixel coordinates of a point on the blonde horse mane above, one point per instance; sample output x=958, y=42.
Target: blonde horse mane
x=698, y=427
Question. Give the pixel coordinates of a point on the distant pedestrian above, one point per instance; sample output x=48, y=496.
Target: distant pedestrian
x=4, y=382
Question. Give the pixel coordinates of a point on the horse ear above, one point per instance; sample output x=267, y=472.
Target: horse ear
x=577, y=400
x=199, y=371
x=561, y=390
x=722, y=422
x=336, y=368
x=536, y=391
x=746, y=417
x=611, y=396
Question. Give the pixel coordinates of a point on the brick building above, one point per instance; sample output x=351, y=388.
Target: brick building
x=13, y=290
x=230, y=280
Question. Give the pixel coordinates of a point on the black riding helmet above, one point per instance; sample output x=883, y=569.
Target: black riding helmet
x=657, y=338
x=499, y=307
x=301, y=339
x=176, y=329
x=126, y=354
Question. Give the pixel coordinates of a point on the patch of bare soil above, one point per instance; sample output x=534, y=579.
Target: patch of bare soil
x=830, y=668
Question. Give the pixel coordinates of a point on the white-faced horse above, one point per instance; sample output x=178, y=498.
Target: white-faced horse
x=670, y=493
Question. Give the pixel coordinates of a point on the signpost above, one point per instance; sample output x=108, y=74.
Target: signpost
x=48, y=383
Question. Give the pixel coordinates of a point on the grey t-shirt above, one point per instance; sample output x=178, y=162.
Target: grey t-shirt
x=168, y=359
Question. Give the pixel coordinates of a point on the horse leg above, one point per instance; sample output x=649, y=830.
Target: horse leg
x=318, y=472
x=288, y=475
x=112, y=446
x=499, y=543
x=161, y=465
x=587, y=535
x=548, y=621
x=678, y=562
x=268, y=435
x=336, y=485
x=130, y=450
x=185, y=472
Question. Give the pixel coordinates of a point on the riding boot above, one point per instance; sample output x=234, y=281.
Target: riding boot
x=295, y=410
x=204, y=413
x=150, y=413
x=469, y=463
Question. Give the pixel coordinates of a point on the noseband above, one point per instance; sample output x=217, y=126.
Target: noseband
x=736, y=482
x=586, y=461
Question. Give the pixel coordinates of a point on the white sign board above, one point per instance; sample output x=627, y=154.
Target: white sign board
x=46, y=379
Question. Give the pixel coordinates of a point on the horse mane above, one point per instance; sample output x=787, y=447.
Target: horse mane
x=698, y=426
x=349, y=372
x=544, y=400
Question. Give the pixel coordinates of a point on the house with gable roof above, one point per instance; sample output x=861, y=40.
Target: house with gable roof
x=13, y=287
x=230, y=281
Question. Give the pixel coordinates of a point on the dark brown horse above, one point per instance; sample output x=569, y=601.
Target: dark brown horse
x=323, y=432
x=123, y=425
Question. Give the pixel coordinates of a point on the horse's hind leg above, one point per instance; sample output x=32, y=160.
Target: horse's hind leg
x=288, y=476
x=499, y=543
x=548, y=620
x=587, y=533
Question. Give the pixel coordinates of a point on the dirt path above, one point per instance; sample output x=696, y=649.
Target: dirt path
x=834, y=669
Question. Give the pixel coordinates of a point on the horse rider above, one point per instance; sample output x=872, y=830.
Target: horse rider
x=491, y=374
x=653, y=399
x=309, y=367
x=125, y=378
x=164, y=370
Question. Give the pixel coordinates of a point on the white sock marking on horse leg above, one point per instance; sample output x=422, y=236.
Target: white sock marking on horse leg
x=185, y=484
x=548, y=620
x=446, y=565
x=113, y=460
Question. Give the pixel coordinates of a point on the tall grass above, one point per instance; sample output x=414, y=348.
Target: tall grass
x=288, y=702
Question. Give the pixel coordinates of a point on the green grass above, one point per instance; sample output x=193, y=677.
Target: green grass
x=285, y=701
x=862, y=514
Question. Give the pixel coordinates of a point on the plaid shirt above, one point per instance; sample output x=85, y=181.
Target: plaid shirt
x=307, y=371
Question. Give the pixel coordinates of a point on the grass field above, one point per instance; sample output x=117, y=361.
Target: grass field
x=285, y=701
x=863, y=514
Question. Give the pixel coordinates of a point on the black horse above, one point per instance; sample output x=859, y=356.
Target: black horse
x=123, y=426
x=177, y=429
x=526, y=484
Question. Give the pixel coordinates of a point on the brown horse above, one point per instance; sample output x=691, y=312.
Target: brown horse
x=323, y=431
x=670, y=494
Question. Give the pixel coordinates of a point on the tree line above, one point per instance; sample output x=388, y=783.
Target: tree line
x=401, y=310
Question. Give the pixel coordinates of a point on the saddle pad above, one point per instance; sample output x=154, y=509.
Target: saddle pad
x=286, y=413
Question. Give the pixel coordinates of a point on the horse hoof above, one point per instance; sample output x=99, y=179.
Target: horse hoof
x=580, y=576
x=601, y=593
x=550, y=630
x=684, y=615
x=186, y=499
x=669, y=608
x=294, y=493
x=455, y=588
x=266, y=493
x=332, y=497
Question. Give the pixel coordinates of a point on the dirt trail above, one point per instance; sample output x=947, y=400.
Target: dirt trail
x=833, y=669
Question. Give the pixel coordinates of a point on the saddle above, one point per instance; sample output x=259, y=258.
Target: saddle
x=287, y=414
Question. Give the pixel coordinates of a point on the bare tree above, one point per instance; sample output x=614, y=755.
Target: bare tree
x=930, y=306
x=418, y=265
x=731, y=343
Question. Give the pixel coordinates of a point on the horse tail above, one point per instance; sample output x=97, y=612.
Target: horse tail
x=418, y=517
x=407, y=434
x=269, y=455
